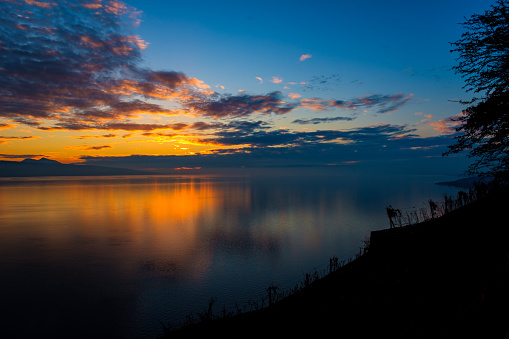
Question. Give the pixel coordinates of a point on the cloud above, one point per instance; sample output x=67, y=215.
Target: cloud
x=305, y=56
x=258, y=137
x=88, y=148
x=5, y=126
x=97, y=136
x=294, y=95
x=277, y=80
x=19, y=156
x=315, y=121
x=382, y=103
x=83, y=64
x=241, y=105
x=120, y=126
x=366, y=146
x=448, y=125
x=259, y=79
x=322, y=82
x=5, y=140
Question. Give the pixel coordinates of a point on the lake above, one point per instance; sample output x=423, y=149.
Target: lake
x=93, y=257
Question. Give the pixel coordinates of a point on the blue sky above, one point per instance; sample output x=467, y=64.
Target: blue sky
x=325, y=83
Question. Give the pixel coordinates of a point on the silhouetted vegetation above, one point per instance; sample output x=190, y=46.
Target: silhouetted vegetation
x=273, y=294
x=484, y=62
x=436, y=209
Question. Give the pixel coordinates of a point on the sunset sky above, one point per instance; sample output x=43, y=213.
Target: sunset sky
x=211, y=84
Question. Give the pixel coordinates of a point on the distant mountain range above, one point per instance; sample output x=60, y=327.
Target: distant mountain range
x=46, y=167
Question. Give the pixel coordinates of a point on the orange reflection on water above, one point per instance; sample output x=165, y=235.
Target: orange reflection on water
x=162, y=220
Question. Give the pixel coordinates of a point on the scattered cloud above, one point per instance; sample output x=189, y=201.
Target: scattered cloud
x=277, y=80
x=448, y=125
x=322, y=83
x=315, y=121
x=305, y=56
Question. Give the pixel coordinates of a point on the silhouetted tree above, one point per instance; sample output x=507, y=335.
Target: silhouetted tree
x=483, y=49
x=486, y=135
x=484, y=62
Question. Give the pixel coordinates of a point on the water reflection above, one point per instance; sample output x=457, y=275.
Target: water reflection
x=98, y=257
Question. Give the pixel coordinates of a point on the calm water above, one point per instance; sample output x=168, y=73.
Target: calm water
x=113, y=256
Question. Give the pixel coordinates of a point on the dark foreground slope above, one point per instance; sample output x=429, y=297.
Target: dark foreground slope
x=445, y=278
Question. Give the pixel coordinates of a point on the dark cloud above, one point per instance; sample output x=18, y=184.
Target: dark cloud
x=382, y=103
x=88, y=148
x=220, y=106
x=315, y=121
x=77, y=59
x=381, y=146
x=76, y=125
x=378, y=134
x=19, y=156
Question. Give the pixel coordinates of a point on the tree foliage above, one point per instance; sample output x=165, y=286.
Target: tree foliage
x=484, y=50
x=484, y=63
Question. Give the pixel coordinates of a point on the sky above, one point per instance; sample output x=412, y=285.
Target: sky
x=196, y=85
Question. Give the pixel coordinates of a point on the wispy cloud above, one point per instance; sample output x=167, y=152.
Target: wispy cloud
x=315, y=121
x=97, y=136
x=446, y=126
x=5, y=140
x=381, y=103
x=88, y=148
x=322, y=82
x=240, y=105
x=305, y=56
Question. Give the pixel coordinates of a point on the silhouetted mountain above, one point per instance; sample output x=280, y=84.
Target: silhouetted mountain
x=47, y=167
x=41, y=161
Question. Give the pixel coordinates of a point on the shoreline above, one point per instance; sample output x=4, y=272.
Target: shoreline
x=445, y=277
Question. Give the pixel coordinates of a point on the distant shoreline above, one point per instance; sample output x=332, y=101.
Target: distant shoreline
x=45, y=167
